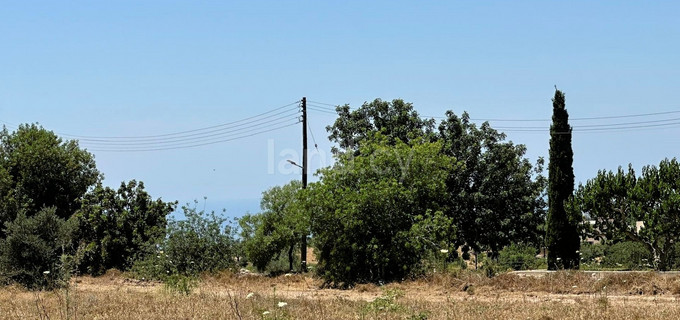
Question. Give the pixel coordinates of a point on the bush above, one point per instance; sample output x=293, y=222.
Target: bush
x=180, y=284
x=627, y=255
x=117, y=227
x=592, y=254
x=198, y=244
x=518, y=257
x=31, y=254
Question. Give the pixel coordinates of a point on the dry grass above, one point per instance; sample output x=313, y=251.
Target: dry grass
x=467, y=295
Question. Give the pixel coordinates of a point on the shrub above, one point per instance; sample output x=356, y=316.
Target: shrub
x=518, y=257
x=181, y=284
x=592, y=253
x=627, y=255
x=115, y=228
x=31, y=253
x=197, y=244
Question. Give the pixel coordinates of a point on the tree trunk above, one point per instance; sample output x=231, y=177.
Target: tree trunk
x=290, y=258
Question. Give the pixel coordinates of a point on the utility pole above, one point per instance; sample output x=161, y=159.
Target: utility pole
x=303, y=244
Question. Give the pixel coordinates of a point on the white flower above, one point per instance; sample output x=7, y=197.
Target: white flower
x=46, y=272
x=250, y=295
x=444, y=251
x=282, y=304
x=558, y=259
x=265, y=313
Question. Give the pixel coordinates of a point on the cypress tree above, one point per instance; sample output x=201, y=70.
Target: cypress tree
x=562, y=228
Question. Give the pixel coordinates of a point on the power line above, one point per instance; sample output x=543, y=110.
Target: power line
x=606, y=125
x=185, y=146
x=221, y=134
x=602, y=127
x=570, y=119
x=322, y=103
x=208, y=133
x=321, y=110
x=233, y=123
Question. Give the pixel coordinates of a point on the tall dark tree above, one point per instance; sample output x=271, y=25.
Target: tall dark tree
x=562, y=234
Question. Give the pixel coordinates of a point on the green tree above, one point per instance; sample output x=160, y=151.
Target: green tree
x=616, y=201
x=366, y=209
x=496, y=198
x=278, y=228
x=115, y=228
x=38, y=169
x=396, y=120
x=201, y=242
x=562, y=226
x=31, y=252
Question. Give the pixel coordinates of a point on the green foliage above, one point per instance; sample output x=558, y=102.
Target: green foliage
x=116, y=228
x=365, y=207
x=31, y=252
x=562, y=226
x=385, y=303
x=591, y=254
x=180, y=284
x=38, y=170
x=518, y=257
x=396, y=120
x=491, y=199
x=496, y=197
x=278, y=229
x=627, y=255
x=615, y=201
x=200, y=243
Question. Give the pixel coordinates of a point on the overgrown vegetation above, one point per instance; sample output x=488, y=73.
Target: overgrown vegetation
x=200, y=243
x=405, y=197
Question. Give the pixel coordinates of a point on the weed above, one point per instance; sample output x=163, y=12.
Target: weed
x=181, y=284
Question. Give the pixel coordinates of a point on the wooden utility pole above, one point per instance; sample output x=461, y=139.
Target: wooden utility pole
x=303, y=244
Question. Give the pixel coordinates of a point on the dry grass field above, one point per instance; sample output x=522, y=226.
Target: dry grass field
x=467, y=295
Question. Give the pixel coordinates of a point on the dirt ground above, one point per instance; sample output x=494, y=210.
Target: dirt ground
x=252, y=296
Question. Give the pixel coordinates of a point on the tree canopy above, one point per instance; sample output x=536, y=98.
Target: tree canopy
x=396, y=120
x=38, y=170
x=117, y=227
x=496, y=198
x=279, y=227
x=365, y=209
x=615, y=201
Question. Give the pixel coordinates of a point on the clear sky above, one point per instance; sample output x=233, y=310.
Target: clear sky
x=147, y=68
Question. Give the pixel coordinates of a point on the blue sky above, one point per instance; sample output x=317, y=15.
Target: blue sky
x=139, y=68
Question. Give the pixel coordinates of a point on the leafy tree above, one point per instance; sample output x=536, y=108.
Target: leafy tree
x=30, y=254
x=278, y=228
x=366, y=208
x=202, y=242
x=496, y=198
x=38, y=169
x=562, y=226
x=396, y=120
x=115, y=228
x=615, y=201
